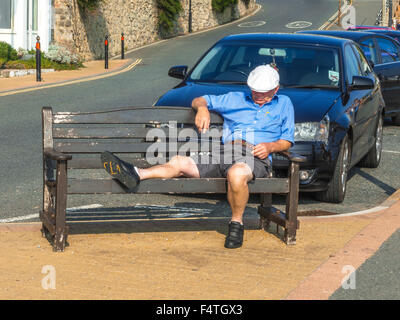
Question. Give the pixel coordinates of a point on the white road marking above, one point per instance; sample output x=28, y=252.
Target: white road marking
x=90, y=206
x=251, y=24
x=390, y=151
x=36, y=215
x=298, y=25
x=29, y=216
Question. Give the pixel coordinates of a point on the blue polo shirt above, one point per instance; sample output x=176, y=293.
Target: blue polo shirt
x=246, y=120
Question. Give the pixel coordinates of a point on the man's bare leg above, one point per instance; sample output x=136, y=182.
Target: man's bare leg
x=178, y=166
x=238, y=191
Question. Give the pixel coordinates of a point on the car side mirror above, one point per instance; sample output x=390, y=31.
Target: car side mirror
x=362, y=83
x=178, y=72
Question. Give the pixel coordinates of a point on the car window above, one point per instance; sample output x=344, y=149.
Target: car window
x=365, y=68
x=389, y=51
x=298, y=65
x=352, y=65
x=369, y=49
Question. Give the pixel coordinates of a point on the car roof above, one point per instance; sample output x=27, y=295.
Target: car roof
x=355, y=36
x=392, y=32
x=369, y=27
x=286, y=37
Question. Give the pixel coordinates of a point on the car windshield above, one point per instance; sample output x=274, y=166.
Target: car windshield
x=298, y=66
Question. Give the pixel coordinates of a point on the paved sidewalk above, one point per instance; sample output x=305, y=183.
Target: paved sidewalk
x=92, y=70
x=185, y=259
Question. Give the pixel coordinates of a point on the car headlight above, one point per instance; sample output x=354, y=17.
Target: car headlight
x=312, y=131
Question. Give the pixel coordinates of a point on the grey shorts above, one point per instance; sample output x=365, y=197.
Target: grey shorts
x=217, y=163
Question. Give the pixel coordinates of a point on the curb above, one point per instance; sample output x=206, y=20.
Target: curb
x=12, y=73
x=376, y=211
x=329, y=275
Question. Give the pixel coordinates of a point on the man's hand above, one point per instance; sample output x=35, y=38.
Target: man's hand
x=202, y=120
x=262, y=150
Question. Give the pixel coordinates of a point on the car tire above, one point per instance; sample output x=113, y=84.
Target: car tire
x=373, y=157
x=337, y=187
x=396, y=120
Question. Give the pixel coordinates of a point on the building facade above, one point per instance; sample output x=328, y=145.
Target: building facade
x=21, y=21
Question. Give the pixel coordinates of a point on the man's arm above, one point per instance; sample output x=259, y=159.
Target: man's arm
x=202, y=120
x=262, y=150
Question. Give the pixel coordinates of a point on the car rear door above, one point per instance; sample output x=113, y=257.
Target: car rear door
x=373, y=99
x=388, y=71
x=361, y=105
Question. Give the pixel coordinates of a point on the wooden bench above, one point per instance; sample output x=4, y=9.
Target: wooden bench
x=75, y=141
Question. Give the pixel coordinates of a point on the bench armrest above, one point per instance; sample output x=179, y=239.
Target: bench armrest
x=292, y=156
x=55, y=155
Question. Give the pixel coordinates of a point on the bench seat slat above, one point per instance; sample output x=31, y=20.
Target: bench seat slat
x=133, y=115
x=181, y=185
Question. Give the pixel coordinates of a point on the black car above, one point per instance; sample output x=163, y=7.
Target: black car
x=337, y=99
x=383, y=52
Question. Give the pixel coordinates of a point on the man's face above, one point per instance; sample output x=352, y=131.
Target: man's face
x=263, y=97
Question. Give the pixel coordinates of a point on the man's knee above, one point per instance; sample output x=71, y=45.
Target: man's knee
x=239, y=174
x=183, y=165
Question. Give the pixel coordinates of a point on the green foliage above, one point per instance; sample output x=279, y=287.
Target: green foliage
x=2, y=62
x=168, y=12
x=7, y=52
x=88, y=4
x=45, y=64
x=58, y=58
x=220, y=5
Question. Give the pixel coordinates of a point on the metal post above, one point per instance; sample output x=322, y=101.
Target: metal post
x=38, y=60
x=122, y=46
x=106, y=53
x=190, y=16
x=390, y=18
x=339, y=13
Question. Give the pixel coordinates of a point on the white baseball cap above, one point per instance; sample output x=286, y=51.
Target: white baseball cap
x=263, y=78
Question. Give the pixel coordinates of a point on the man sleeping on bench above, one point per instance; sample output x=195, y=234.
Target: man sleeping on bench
x=256, y=124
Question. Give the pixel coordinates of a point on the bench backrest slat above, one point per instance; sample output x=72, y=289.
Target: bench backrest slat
x=137, y=115
x=130, y=133
x=126, y=147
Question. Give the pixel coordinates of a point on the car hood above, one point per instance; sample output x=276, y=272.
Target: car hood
x=309, y=104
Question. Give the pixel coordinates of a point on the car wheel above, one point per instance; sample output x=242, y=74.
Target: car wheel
x=373, y=157
x=337, y=187
x=396, y=120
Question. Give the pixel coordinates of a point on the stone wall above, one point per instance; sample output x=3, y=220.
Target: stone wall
x=84, y=31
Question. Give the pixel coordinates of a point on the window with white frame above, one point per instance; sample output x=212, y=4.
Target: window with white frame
x=5, y=14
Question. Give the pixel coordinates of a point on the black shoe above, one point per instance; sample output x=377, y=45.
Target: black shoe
x=234, y=239
x=121, y=170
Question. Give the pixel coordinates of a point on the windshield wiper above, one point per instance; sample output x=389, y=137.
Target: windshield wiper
x=219, y=81
x=229, y=82
x=319, y=86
